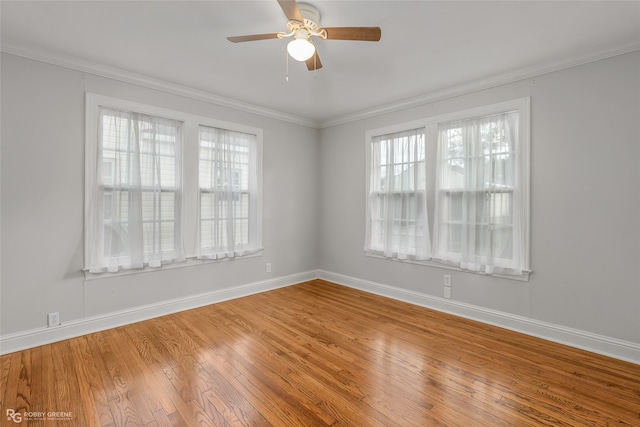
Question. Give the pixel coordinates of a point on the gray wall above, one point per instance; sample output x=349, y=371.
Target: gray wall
x=43, y=195
x=585, y=202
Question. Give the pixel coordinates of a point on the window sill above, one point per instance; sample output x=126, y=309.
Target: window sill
x=192, y=261
x=524, y=277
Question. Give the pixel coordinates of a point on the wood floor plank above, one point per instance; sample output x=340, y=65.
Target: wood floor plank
x=17, y=396
x=67, y=394
x=92, y=389
x=318, y=354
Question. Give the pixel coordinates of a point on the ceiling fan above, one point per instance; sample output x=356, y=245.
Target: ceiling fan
x=303, y=24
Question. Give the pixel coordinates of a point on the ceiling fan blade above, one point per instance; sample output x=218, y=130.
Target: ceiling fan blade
x=290, y=8
x=367, y=34
x=238, y=39
x=314, y=63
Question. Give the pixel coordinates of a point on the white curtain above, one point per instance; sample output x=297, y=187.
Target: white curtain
x=397, y=220
x=135, y=203
x=478, y=213
x=228, y=223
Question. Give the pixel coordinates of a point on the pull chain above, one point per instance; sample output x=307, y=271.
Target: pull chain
x=287, y=61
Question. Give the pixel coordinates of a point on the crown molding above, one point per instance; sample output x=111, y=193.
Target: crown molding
x=90, y=67
x=482, y=84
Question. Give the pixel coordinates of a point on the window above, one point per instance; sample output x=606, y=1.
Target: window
x=137, y=193
x=227, y=193
x=164, y=186
x=479, y=203
x=469, y=173
x=397, y=221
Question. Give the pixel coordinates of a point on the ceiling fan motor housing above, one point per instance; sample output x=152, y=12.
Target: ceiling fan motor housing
x=310, y=26
x=309, y=13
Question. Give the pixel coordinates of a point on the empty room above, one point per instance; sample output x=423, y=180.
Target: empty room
x=322, y=213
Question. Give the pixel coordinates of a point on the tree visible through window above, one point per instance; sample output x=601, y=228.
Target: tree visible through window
x=477, y=213
x=466, y=171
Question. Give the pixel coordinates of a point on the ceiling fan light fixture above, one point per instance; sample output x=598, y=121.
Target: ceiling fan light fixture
x=301, y=48
x=302, y=25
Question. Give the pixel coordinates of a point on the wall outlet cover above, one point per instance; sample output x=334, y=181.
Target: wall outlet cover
x=53, y=319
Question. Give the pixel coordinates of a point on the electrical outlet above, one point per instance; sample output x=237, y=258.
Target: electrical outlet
x=447, y=293
x=268, y=267
x=53, y=319
x=447, y=280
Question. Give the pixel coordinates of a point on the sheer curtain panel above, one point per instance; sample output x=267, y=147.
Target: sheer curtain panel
x=228, y=206
x=479, y=213
x=134, y=218
x=397, y=219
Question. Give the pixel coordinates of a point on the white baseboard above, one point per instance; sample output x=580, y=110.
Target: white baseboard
x=40, y=336
x=607, y=346
x=612, y=347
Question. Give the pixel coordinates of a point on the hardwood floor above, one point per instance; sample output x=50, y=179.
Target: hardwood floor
x=315, y=354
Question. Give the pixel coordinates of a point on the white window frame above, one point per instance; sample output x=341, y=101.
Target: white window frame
x=523, y=106
x=190, y=186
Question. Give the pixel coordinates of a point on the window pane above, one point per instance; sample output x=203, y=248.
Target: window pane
x=138, y=149
x=494, y=241
x=241, y=229
x=502, y=242
x=224, y=159
x=452, y=204
x=115, y=236
x=500, y=208
x=157, y=206
x=120, y=201
x=207, y=206
x=107, y=205
x=453, y=233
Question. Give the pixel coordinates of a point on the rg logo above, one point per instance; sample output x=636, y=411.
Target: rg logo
x=14, y=416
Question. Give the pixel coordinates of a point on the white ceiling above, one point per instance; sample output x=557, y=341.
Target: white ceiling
x=426, y=47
